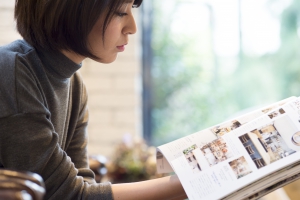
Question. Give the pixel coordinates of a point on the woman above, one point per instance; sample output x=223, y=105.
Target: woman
x=43, y=102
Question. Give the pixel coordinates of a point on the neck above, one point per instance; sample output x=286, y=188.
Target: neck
x=76, y=58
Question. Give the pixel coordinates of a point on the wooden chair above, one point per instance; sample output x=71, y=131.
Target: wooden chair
x=16, y=185
x=97, y=164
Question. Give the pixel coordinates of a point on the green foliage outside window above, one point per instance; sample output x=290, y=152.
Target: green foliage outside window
x=195, y=88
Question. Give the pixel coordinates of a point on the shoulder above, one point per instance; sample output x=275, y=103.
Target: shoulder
x=10, y=51
x=16, y=60
x=13, y=54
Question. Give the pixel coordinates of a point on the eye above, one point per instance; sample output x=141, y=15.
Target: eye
x=121, y=14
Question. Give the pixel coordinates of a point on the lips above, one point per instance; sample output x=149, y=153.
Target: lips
x=121, y=47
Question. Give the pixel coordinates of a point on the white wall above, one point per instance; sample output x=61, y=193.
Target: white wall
x=114, y=95
x=7, y=25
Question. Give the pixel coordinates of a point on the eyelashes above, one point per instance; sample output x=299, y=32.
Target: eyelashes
x=123, y=10
x=121, y=14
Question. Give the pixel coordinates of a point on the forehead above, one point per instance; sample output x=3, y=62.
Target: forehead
x=127, y=1
x=135, y=3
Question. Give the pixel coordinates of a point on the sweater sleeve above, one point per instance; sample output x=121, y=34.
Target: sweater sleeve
x=77, y=147
x=27, y=143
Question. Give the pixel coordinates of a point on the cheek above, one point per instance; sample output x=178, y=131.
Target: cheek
x=95, y=40
x=111, y=38
x=112, y=32
x=95, y=44
x=95, y=36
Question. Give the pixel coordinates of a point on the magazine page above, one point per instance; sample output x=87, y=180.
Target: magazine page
x=268, y=183
x=275, y=186
x=173, y=150
x=241, y=156
x=168, y=152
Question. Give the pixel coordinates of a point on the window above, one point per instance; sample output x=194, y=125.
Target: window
x=207, y=60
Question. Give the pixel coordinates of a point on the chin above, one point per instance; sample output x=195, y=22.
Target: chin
x=107, y=60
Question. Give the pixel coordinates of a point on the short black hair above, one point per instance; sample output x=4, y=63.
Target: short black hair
x=63, y=24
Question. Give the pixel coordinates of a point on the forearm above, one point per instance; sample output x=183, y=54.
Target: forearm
x=166, y=188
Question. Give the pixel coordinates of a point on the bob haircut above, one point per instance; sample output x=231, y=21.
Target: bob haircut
x=55, y=25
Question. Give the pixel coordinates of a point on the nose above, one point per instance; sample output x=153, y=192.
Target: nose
x=130, y=27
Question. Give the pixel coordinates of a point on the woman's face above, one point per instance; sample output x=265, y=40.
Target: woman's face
x=116, y=34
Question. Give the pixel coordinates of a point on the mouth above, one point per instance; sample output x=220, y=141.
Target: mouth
x=121, y=48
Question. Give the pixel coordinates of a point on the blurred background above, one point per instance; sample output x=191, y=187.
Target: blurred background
x=213, y=59
x=208, y=60
x=192, y=64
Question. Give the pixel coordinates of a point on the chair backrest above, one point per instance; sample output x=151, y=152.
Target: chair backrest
x=97, y=164
x=16, y=185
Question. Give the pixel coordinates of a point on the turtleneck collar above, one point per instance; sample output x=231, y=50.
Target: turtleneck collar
x=58, y=64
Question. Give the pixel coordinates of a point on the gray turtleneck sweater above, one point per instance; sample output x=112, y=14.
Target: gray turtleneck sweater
x=43, y=120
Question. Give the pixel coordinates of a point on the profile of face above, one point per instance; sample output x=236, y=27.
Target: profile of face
x=116, y=34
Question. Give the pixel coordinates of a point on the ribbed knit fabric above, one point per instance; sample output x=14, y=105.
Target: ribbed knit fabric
x=43, y=121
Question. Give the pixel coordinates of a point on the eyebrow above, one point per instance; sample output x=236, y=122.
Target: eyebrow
x=128, y=1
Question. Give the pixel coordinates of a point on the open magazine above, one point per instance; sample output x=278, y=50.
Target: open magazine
x=243, y=158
